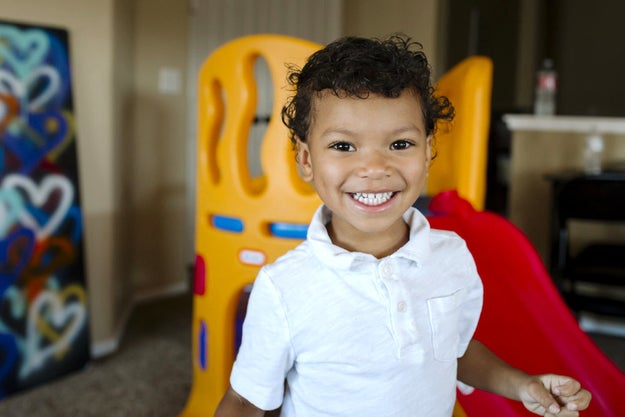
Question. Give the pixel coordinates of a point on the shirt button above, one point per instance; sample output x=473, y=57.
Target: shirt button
x=402, y=306
x=387, y=270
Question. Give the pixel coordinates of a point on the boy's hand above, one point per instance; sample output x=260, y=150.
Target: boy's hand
x=554, y=395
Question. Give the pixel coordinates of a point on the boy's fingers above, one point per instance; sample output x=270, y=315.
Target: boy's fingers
x=558, y=396
x=571, y=393
x=545, y=399
x=579, y=401
x=567, y=388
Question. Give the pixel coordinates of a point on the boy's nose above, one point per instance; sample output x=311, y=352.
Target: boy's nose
x=374, y=166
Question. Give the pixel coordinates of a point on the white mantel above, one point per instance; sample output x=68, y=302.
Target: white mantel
x=565, y=124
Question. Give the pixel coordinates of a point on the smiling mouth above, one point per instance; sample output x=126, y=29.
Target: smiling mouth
x=372, y=199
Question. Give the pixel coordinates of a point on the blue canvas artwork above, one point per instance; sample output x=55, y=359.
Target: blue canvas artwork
x=44, y=330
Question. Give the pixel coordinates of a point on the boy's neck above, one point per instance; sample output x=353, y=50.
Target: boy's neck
x=379, y=245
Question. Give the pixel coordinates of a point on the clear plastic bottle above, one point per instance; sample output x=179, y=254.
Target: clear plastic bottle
x=593, y=153
x=546, y=88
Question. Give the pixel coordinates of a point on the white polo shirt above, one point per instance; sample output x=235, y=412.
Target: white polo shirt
x=359, y=336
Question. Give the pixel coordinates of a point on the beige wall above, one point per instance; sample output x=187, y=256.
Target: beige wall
x=130, y=142
x=418, y=19
x=156, y=159
x=121, y=283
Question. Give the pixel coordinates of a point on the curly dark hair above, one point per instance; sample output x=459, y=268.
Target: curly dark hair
x=356, y=67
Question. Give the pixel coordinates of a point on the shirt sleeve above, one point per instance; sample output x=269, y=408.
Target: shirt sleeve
x=265, y=355
x=472, y=304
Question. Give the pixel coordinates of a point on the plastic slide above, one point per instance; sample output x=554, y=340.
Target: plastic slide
x=524, y=320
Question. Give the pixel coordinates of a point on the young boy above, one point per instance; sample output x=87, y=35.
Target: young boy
x=373, y=315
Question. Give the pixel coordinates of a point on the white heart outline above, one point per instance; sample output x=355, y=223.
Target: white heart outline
x=21, y=89
x=11, y=205
x=39, y=195
x=4, y=110
x=22, y=40
x=61, y=314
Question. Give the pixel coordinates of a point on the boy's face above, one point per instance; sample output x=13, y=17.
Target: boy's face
x=368, y=160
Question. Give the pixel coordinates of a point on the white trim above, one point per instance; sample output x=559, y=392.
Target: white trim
x=168, y=290
x=574, y=124
x=107, y=347
x=104, y=348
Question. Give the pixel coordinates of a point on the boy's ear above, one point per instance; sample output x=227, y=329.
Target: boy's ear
x=429, y=149
x=303, y=161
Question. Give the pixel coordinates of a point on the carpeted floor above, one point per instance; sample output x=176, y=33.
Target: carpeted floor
x=150, y=375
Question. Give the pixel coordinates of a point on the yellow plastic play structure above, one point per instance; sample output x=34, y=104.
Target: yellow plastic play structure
x=463, y=147
x=240, y=220
x=244, y=222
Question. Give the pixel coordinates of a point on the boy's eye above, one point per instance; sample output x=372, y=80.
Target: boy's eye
x=342, y=147
x=401, y=144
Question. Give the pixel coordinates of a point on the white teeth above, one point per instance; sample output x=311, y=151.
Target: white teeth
x=372, y=199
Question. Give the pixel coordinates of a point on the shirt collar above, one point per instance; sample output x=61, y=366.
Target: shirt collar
x=416, y=249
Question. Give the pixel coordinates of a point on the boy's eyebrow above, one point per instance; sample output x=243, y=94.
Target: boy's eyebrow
x=348, y=132
x=340, y=130
x=407, y=129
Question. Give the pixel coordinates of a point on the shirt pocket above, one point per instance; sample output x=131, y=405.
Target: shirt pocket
x=444, y=314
